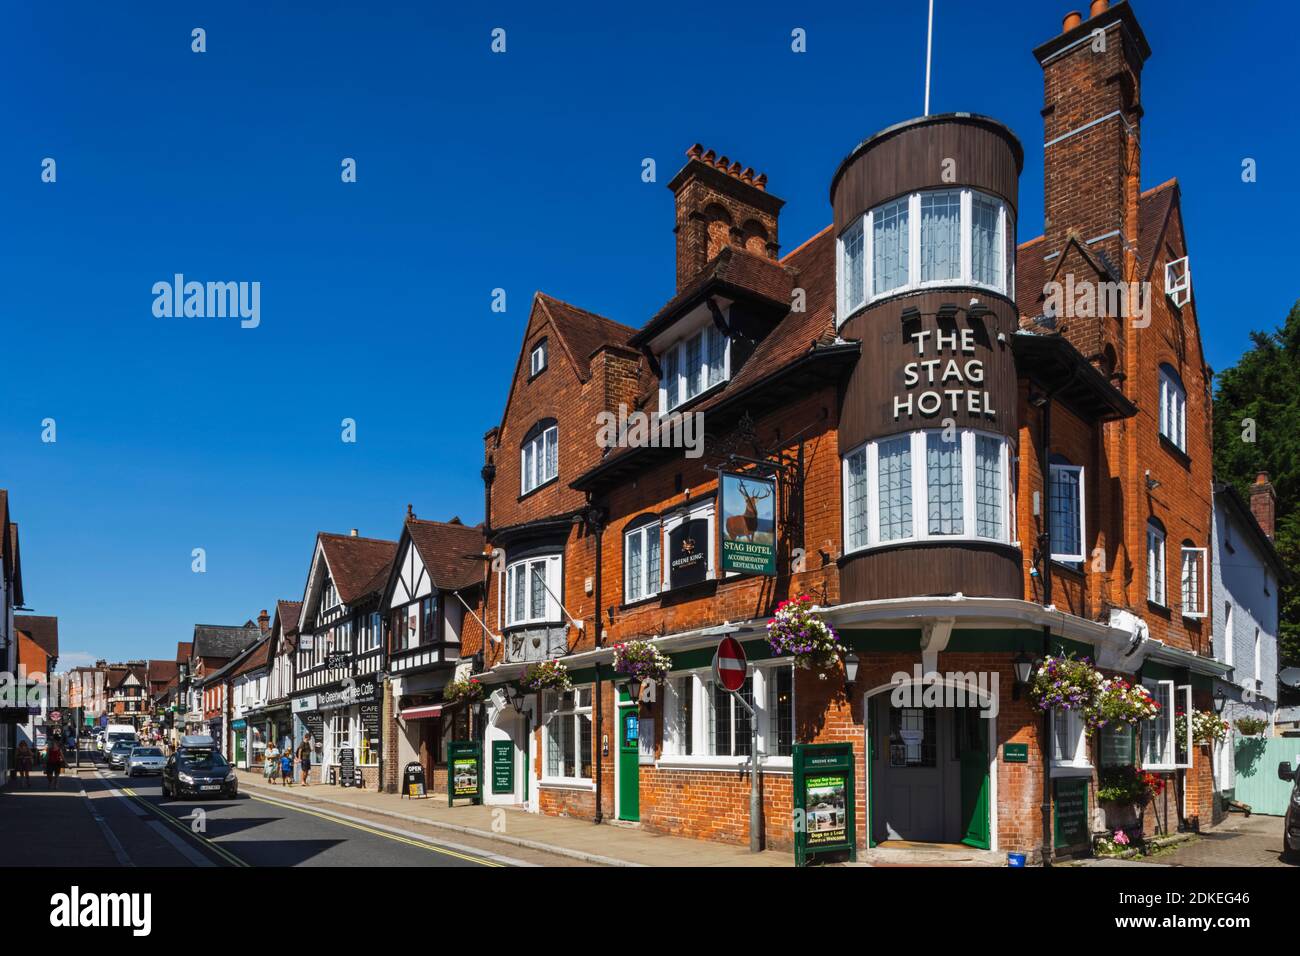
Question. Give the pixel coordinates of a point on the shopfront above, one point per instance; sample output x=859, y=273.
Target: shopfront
x=309, y=726
x=351, y=722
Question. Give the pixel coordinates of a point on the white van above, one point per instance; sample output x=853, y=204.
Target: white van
x=116, y=732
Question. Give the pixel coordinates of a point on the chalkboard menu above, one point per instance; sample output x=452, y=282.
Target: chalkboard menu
x=1071, y=812
x=503, y=766
x=413, y=780
x=347, y=767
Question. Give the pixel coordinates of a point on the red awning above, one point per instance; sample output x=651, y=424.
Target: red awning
x=416, y=713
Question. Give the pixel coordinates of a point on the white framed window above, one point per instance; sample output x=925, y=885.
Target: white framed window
x=1173, y=408
x=704, y=513
x=1069, y=742
x=965, y=482
x=1156, y=564
x=705, y=725
x=532, y=589
x=692, y=365
x=1066, y=504
x=1193, y=581
x=537, y=358
x=932, y=238
x=567, y=738
x=1161, y=748
x=1227, y=633
x=539, y=458
x=641, y=564
x=1178, y=281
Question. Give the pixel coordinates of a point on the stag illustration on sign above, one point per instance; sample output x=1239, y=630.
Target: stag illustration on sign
x=746, y=525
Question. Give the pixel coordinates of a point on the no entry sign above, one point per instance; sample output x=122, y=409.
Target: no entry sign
x=729, y=664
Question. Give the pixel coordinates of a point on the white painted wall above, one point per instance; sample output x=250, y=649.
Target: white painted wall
x=1243, y=580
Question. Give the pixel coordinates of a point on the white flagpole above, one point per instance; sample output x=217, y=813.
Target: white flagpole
x=929, y=37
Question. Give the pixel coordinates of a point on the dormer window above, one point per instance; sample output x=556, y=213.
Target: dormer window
x=693, y=365
x=537, y=359
x=942, y=237
x=539, y=456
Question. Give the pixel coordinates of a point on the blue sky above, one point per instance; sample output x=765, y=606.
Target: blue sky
x=475, y=171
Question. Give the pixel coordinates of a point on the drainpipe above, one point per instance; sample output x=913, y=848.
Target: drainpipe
x=596, y=518
x=1045, y=556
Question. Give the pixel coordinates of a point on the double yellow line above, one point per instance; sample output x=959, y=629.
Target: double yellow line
x=173, y=821
x=419, y=844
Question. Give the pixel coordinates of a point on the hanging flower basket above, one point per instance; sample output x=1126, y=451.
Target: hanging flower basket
x=1207, y=726
x=546, y=675
x=643, y=660
x=1116, y=701
x=468, y=689
x=1066, y=682
x=798, y=632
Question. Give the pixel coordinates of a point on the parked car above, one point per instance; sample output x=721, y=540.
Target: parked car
x=194, y=772
x=118, y=753
x=1291, y=824
x=145, y=760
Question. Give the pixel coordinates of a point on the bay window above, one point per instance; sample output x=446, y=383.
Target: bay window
x=641, y=574
x=567, y=740
x=1156, y=563
x=532, y=589
x=539, y=456
x=965, y=477
x=938, y=237
x=1066, y=507
x=1173, y=408
x=693, y=365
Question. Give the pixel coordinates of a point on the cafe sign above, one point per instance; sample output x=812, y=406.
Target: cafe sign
x=359, y=692
x=748, y=524
x=946, y=378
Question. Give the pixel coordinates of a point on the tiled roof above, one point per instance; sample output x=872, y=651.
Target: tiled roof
x=583, y=332
x=1032, y=272
x=223, y=642
x=258, y=657
x=287, y=612
x=184, y=650
x=359, y=566
x=452, y=552
x=43, y=630
x=162, y=672
x=731, y=269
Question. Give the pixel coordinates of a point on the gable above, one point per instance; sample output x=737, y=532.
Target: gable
x=411, y=579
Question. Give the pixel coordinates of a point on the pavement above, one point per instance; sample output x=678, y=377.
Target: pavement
x=1237, y=841
x=578, y=840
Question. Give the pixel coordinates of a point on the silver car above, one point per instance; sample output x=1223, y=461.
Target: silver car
x=145, y=760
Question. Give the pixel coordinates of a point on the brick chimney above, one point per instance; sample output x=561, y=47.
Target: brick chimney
x=720, y=204
x=1263, y=503
x=264, y=621
x=1092, y=111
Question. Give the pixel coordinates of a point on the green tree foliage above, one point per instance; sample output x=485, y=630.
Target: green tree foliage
x=1263, y=388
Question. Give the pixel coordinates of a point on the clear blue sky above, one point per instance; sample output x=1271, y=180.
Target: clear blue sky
x=475, y=171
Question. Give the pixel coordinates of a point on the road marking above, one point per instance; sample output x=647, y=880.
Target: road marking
x=166, y=817
x=375, y=829
x=114, y=844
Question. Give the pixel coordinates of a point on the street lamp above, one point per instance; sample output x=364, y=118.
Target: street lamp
x=633, y=686
x=1024, y=666
x=850, y=668
x=1220, y=701
x=518, y=699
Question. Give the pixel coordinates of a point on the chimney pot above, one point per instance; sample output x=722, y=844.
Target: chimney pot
x=1072, y=20
x=1098, y=8
x=709, y=156
x=695, y=151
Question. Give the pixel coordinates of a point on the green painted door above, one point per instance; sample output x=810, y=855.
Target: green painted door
x=239, y=747
x=972, y=738
x=629, y=762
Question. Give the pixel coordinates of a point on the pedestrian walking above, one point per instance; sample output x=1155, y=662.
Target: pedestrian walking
x=304, y=759
x=53, y=764
x=25, y=764
x=271, y=762
x=286, y=768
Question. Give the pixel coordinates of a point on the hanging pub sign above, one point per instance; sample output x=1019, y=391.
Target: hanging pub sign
x=748, y=524
x=688, y=552
x=503, y=766
x=823, y=801
x=413, y=781
x=464, y=766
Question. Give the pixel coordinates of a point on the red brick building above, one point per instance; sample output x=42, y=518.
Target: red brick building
x=1049, y=401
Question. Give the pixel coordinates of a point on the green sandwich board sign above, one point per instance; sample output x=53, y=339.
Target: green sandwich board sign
x=824, y=813
x=464, y=772
x=503, y=766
